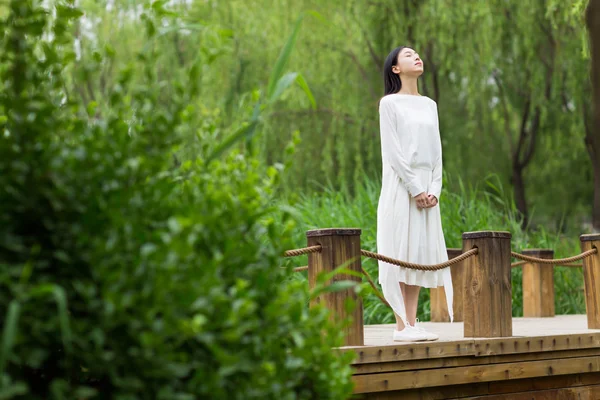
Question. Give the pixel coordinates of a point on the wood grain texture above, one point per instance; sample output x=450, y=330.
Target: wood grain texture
x=333, y=232
x=591, y=280
x=463, y=361
x=370, y=383
x=565, y=386
x=590, y=237
x=439, y=308
x=547, y=357
x=538, y=285
x=582, y=393
x=563, y=332
x=478, y=348
x=487, y=285
x=486, y=234
x=340, y=247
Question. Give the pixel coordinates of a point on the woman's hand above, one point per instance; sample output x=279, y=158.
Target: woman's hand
x=426, y=200
x=432, y=200
x=423, y=200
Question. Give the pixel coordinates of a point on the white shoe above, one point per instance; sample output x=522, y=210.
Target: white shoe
x=430, y=336
x=409, y=334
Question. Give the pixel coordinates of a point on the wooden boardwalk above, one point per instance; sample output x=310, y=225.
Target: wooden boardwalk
x=550, y=358
x=546, y=358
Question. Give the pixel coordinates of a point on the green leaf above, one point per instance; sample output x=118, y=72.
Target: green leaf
x=13, y=390
x=109, y=51
x=158, y=5
x=283, y=58
x=246, y=131
x=9, y=333
x=61, y=301
x=333, y=287
x=340, y=269
x=302, y=83
x=225, y=33
x=282, y=84
x=84, y=392
x=68, y=12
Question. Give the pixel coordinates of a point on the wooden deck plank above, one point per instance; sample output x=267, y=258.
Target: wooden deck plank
x=376, y=368
x=369, y=383
x=503, y=389
x=583, y=392
x=379, y=335
x=566, y=332
x=548, y=358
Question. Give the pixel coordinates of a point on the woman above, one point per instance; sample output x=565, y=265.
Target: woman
x=409, y=226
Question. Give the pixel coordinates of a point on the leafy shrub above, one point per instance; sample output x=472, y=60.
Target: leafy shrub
x=123, y=276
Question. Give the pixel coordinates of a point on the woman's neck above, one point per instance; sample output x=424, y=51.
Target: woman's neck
x=409, y=86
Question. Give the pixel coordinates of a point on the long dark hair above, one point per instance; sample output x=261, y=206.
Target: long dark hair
x=391, y=81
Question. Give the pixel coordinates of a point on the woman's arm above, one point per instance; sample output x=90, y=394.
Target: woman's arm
x=392, y=151
x=436, y=179
x=435, y=188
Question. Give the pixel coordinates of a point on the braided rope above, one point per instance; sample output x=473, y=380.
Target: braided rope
x=420, y=267
x=519, y=263
x=304, y=250
x=558, y=261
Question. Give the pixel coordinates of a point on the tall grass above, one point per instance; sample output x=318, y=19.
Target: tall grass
x=464, y=208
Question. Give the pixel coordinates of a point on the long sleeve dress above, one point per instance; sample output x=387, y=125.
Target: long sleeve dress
x=412, y=163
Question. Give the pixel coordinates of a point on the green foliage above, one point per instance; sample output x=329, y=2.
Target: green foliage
x=481, y=82
x=143, y=209
x=123, y=274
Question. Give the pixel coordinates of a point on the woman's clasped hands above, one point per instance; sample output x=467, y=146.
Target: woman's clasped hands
x=425, y=200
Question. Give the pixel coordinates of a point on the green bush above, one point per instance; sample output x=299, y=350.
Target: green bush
x=123, y=276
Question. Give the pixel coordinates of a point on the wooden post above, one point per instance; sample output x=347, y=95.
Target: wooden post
x=487, y=289
x=339, y=247
x=591, y=279
x=538, y=285
x=439, y=308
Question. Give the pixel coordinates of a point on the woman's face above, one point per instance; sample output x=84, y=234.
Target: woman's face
x=409, y=63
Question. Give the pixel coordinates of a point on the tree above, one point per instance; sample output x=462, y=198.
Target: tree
x=592, y=138
x=499, y=110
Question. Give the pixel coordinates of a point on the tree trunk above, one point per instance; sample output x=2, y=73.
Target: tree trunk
x=519, y=187
x=596, y=205
x=593, y=135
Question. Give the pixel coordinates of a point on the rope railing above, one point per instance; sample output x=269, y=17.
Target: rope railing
x=558, y=261
x=563, y=262
x=376, y=256
x=318, y=248
x=486, y=258
x=420, y=267
x=519, y=263
x=566, y=262
x=302, y=251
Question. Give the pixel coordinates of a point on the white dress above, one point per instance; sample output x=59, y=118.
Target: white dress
x=412, y=163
